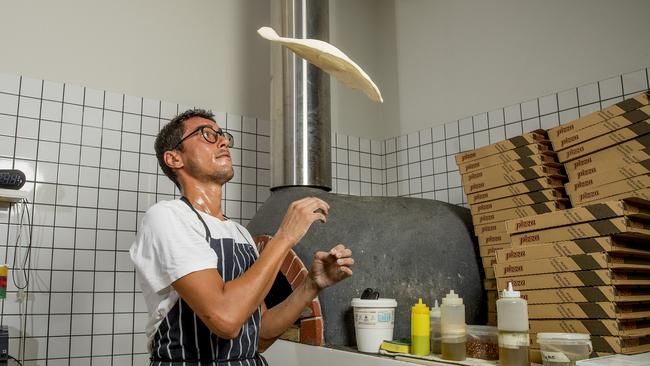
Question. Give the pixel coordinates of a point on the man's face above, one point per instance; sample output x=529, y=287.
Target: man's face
x=204, y=160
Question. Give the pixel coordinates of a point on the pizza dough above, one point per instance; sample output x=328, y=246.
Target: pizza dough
x=330, y=59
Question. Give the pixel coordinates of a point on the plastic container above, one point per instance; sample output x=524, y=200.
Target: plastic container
x=512, y=322
x=563, y=349
x=453, y=329
x=482, y=342
x=434, y=325
x=374, y=321
x=420, y=329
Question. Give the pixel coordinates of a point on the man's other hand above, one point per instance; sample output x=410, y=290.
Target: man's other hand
x=331, y=267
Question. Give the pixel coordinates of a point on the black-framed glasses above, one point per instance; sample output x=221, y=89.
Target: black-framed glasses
x=210, y=135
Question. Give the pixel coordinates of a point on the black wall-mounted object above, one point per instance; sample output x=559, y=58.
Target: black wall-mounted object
x=4, y=343
x=11, y=179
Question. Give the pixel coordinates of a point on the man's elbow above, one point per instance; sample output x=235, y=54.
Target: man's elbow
x=265, y=343
x=223, y=327
x=230, y=333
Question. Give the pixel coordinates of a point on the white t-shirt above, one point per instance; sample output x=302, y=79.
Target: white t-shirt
x=171, y=244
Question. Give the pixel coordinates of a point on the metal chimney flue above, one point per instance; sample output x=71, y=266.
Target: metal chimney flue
x=403, y=247
x=300, y=100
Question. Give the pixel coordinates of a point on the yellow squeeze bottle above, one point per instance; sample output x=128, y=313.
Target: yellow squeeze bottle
x=420, y=329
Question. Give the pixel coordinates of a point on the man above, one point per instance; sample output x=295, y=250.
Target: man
x=203, y=280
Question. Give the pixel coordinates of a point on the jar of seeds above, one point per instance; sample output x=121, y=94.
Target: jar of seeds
x=482, y=342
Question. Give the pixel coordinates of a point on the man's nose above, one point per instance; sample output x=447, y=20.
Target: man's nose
x=223, y=141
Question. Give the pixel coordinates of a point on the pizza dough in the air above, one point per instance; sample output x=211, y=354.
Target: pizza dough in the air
x=330, y=59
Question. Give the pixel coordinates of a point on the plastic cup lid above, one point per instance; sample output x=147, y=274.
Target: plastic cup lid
x=566, y=336
x=378, y=303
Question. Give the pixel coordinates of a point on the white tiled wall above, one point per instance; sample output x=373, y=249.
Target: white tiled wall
x=358, y=166
x=92, y=173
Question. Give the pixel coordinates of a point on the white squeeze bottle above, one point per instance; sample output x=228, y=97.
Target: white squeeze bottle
x=454, y=331
x=512, y=320
x=434, y=316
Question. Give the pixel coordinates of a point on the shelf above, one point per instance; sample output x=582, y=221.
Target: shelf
x=12, y=195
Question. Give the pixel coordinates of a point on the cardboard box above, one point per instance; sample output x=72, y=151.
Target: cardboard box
x=620, y=225
x=626, y=153
x=492, y=228
x=580, y=262
x=604, y=344
x=489, y=261
x=528, y=186
x=492, y=302
x=492, y=306
x=510, y=155
x=586, y=195
x=613, y=174
x=519, y=212
x=598, y=277
x=599, y=327
x=609, y=244
x=535, y=356
x=629, y=208
x=490, y=250
x=525, y=199
x=612, y=111
x=587, y=294
x=492, y=318
x=510, y=166
x=628, y=346
x=490, y=284
x=642, y=194
x=589, y=310
x=488, y=179
x=493, y=239
x=492, y=297
x=537, y=136
x=601, y=128
x=489, y=273
x=506, y=168
x=605, y=141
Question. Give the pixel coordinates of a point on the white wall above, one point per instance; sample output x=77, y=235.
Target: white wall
x=435, y=61
x=205, y=52
x=201, y=52
x=365, y=31
x=458, y=58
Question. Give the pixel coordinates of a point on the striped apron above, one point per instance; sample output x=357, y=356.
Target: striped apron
x=183, y=340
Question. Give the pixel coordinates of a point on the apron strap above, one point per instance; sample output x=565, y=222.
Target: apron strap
x=207, y=231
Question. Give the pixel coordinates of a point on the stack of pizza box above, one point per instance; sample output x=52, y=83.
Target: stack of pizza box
x=606, y=154
x=509, y=179
x=584, y=270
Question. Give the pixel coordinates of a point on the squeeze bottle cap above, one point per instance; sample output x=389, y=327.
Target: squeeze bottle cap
x=420, y=308
x=509, y=292
x=435, y=310
x=452, y=299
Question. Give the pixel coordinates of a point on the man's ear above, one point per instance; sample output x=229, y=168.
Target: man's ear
x=173, y=159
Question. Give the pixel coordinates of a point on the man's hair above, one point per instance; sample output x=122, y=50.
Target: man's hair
x=172, y=133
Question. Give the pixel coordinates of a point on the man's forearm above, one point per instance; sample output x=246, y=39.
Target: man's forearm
x=278, y=319
x=225, y=306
